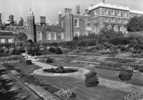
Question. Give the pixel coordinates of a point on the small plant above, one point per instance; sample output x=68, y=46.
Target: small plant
x=91, y=79
x=66, y=94
x=125, y=75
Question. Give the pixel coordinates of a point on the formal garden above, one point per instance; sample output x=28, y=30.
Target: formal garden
x=108, y=65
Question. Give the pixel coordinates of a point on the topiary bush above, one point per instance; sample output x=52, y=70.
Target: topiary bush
x=59, y=51
x=91, y=79
x=125, y=75
x=28, y=62
x=52, y=49
x=56, y=50
x=49, y=60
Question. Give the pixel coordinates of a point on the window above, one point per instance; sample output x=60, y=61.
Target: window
x=55, y=36
x=113, y=12
x=76, y=22
x=62, y=36
x=10, y=40
x=2, y=40
x=40, y=36
x=77, y=34
x=107, y=11
x=49, y=36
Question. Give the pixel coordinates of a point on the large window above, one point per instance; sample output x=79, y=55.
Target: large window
x=40, y=36
x=2, y=40
x=62, y=36
x=55, y=36
x=49, y=36
x=76, y=22
x=10, y=40
x=77, y=34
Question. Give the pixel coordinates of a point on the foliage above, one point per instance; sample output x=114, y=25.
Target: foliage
x=66, y=94
x=21, y=22
x=91, y=79
x=135, y=24
x=28, y=62
x=60, y=69
x=55, y=50
x=21, y=36
x=5, y=94
x=32, y=48
x=49, y=60
x=125, y=75
x=135, y=94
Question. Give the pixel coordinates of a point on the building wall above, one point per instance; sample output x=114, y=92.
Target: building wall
x=68, y=25
x=109, y=18
x=47, y=36
x=31, y=28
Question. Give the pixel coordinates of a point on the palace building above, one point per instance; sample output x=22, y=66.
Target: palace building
x=91, y=21
x=94, y=19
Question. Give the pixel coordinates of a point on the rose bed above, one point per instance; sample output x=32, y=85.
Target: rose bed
x=60, y=70
x=63, y=72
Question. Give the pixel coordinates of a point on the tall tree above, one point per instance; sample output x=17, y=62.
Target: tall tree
x=21, y=22
x=135, y=24
x=22, y=36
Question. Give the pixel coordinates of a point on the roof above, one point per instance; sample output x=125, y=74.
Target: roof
x=108, y=6
x=136, y=11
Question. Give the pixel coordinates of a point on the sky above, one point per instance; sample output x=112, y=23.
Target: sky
x=50, y=8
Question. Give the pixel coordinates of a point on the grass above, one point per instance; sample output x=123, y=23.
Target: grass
x=105, y=70
x=27, y=69
x=137, y=78
x=83, y=92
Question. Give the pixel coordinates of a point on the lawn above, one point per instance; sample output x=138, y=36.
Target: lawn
x=83, y=92
x=27, y=69
x=137, y=78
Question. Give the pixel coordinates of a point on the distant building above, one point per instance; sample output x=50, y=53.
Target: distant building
x=0, y=19
x=95, y=18
x=43, y=32
x=49, y=33
x=11, y=19
x=7, y=37
x=31, y=27
x=21, y=22
x=42, y=20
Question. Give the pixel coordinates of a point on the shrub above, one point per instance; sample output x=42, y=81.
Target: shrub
x=125, y=75
x=56, y=50
x=52, y=49
x=49, y=60
x=59, y=51
x=60, y=70
x=91, y=79
x=28, y=62
x=139, y=69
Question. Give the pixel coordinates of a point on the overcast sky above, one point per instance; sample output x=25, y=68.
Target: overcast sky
x=50, y=8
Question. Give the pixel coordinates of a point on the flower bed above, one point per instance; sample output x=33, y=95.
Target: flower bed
x=60, y=70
